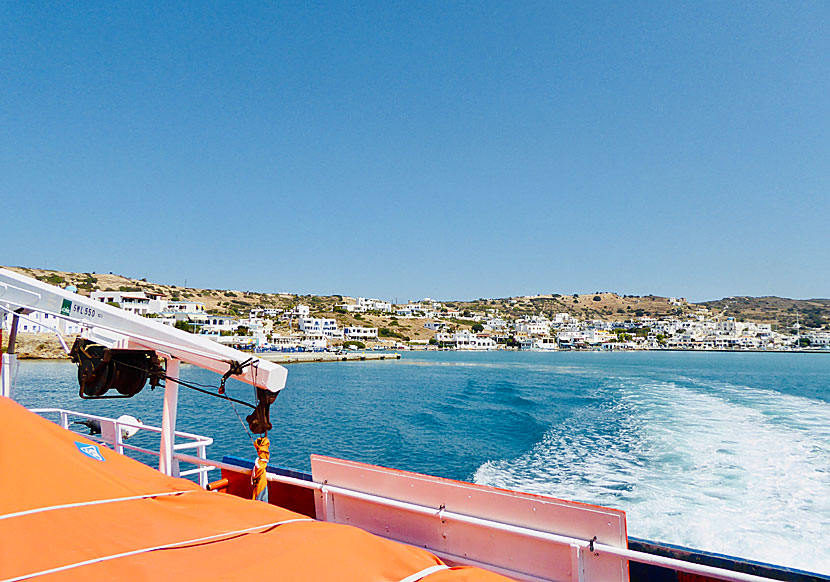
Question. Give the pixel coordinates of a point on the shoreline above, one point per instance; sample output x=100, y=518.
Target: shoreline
x=311, y=357
x=46, y=347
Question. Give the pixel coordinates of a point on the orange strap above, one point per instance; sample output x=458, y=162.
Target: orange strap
x=258, y=479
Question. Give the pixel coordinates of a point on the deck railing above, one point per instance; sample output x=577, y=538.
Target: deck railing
x=112, y=435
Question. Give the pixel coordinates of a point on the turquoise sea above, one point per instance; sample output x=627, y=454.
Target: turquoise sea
x=728, y=452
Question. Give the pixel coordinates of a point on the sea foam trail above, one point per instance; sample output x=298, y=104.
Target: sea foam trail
x=712, y=466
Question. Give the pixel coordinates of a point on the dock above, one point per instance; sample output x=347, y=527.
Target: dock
x=303, y=357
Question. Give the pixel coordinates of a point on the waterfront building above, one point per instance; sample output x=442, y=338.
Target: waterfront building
x=220, y=323
x=286, y=342
x=360, y=333
x=466, y=340
x=818, y=339
x=320, y=326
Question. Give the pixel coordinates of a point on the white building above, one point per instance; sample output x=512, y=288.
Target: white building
x=410, y=310
x=360, y=333
x=265, y=312
x=598, y=336
x=299, y=311
x=495, y=324
x=363, y=305
x=466, y=340
x=219, y=323
x=562, y=318
x=571, y=338
x=133, y=301
x=193, y=311
x=189, y=307
x=374, y=305
x=286, y=342
x=320, y=326
x=818, y=339
x=37, y=322
x=535, y=327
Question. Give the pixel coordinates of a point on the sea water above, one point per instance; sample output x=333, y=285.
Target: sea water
x=727, y=452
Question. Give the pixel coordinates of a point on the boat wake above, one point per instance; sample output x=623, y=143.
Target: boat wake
x=712, y=466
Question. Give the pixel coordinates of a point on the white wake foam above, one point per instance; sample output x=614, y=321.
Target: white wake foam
x=716, y=467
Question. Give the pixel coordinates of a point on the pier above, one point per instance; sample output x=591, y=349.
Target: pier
x=303, y=357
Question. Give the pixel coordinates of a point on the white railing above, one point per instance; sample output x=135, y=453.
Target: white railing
x=113, y=437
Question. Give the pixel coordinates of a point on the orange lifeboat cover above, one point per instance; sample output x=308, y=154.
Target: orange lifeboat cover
x=64, y=516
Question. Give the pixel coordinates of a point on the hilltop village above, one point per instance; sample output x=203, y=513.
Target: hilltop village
x=600, y=321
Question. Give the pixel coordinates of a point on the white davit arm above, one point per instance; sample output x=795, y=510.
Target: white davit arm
x=114, y=327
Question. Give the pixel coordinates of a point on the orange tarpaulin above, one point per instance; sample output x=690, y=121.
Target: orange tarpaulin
x=71, y=509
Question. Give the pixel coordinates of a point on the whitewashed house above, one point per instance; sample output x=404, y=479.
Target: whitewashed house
x=360, y=333
x=133, y=301
x=374, y=305
x=220, y=323
x=466, y=340
x=533, y=327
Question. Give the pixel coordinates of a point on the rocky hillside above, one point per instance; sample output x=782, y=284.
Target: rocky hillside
x=782, y=313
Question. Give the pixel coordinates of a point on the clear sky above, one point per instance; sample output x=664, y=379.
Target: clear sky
x=453, y=150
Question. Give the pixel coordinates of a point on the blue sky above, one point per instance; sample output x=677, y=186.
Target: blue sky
x=402, y=150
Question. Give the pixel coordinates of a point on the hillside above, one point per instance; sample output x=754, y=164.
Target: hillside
x=600, y=305
x=780, y=312
x=217, y=301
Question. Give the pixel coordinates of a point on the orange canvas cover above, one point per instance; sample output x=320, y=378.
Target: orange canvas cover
x=71, y=509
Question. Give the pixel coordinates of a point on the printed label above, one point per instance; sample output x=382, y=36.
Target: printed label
x=66, y=307
x=91, y=451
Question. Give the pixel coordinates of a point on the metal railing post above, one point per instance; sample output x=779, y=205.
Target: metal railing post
x=119, y=441
x=167, y=463
x=8, y=365
x=203, y=477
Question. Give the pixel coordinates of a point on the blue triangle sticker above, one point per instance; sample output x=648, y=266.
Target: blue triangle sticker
x=91, y=451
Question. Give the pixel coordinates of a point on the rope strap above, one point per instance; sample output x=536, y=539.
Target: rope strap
x=154, y=548
x=424, y=573
x=87, y=503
